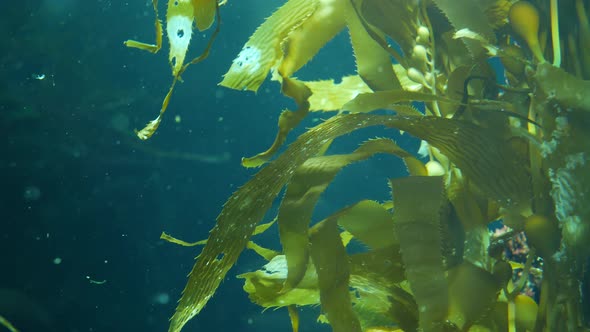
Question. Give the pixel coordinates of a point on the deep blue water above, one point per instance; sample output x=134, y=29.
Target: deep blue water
x=83, y=202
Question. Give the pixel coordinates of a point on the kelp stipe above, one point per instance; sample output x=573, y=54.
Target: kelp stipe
x=515, y=153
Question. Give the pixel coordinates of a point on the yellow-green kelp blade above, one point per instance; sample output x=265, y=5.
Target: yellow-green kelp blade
x=4, y=322
x=370, y=223
x=476, y=20
x=482, y=154
x=332, y=265
x=303, y=191
x=204, y=13
x=330, y=96
x=418, y=204
x=373, y=63
x=288, y=120
x=472, y=293
x=263, y=50
x=478, y=152
x=396, y=18
x=246, y=207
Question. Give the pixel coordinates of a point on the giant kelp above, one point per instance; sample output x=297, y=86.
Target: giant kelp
x=514, y=152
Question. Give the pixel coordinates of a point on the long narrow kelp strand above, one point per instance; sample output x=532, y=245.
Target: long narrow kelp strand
x=418, y=202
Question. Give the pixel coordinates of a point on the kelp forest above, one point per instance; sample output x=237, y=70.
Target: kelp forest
x=498, y=93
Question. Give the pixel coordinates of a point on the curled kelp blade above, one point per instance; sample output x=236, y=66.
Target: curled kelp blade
x=370, y=223
x=332, y=265
x=246, y=207
x=472, y=293
x=477, y=20
x=288, y=120
x=478, y=152
x=204, y=13
x=373, y=62
x=418, y=203
x=312, y=34
x=303, y=191
x=264, y=286
x=373, y=274
x=397, y=18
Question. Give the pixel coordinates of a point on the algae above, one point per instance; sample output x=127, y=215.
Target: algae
x=514, y=153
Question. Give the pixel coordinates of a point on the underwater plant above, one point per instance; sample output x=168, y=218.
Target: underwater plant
x=515, y=151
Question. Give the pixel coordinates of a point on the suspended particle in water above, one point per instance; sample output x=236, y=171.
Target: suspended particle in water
x=31, y=193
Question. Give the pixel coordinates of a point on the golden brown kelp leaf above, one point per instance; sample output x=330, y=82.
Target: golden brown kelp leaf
x=377, y=298
x=330, y=96
x=418, y=203
x=373, y=275
x=396, y=18
x=264, y=287
x=470, y=207
x=204, y=13
x=370, y=223
x=372, y=61
x=476, y=20
x=472, y=292
x=287, y=120
x=263, y=50
x=331, y=262
x=247, y=206
x=404, y=309
x=482, y=154
x=477, y=151
x=326, y=94
x=308, y=38
x=383, y=264
x=303, y=191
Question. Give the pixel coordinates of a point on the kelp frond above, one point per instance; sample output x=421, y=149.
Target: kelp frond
x=515, y=154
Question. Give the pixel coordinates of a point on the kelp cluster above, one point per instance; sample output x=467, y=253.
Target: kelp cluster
x=514, y=151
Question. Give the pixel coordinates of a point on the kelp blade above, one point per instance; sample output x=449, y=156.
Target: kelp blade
x=478, y=152
x=482, y=154
x=247, y=206
x=263, y=50
x=331, y=262
x=418, y=204
x=303, y=191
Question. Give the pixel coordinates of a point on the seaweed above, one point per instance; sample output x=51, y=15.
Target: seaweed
x=514, y=153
